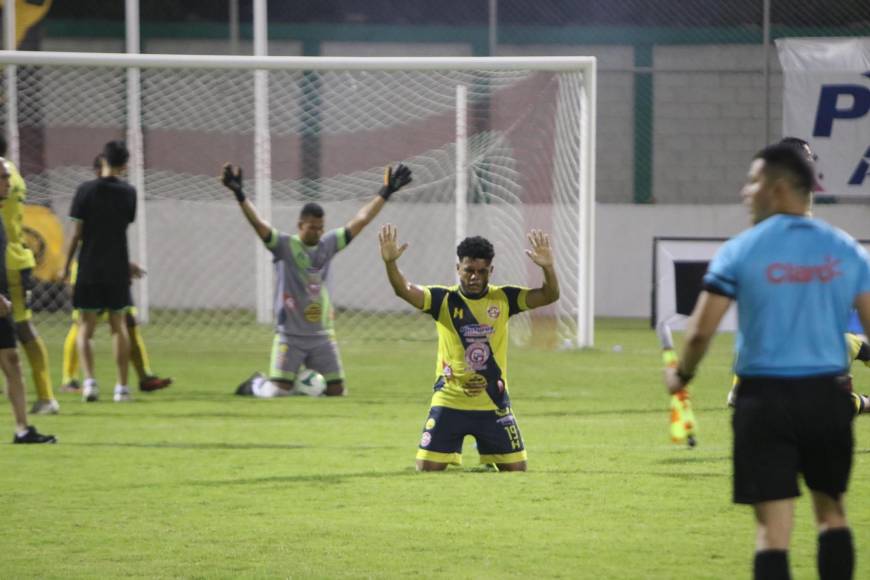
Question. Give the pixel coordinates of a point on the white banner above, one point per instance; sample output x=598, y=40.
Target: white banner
x=826, y=101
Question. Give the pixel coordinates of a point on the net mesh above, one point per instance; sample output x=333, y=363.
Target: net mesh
x=331, y=134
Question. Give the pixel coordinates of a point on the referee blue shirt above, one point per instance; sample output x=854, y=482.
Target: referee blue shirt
x=795, y=280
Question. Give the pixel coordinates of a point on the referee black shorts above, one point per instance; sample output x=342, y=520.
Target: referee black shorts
x=784, y=427
x=7, y=332
x=98, y=296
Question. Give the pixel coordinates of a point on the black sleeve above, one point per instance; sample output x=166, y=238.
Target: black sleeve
x=347, y=236
x=78, y=208
x=132, y=200
x=863, y=352
x=438, y=295
x=513, y=298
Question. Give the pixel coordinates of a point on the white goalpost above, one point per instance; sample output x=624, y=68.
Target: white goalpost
x=498, y=146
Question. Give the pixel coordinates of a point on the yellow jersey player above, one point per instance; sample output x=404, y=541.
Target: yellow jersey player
x=10, y=365
x=471, y=388
x=19, y=272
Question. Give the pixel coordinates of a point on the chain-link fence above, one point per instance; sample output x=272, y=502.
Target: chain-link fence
x=687, y=90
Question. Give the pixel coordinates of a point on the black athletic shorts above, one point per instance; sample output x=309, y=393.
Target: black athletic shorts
x=96, y=297
x=497, y=434
x=785, y=427
x=7, y=332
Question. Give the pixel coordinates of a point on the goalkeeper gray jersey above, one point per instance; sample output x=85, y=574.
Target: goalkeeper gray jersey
x=302, y=305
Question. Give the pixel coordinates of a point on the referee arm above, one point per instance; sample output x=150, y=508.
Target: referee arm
x=702, y=325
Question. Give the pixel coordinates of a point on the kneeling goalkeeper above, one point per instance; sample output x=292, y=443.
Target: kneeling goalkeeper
x=304, y=332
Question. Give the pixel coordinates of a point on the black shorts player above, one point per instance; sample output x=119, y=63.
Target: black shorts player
x=105, y=206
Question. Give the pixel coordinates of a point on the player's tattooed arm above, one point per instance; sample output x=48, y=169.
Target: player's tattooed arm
x=542, y=254
x=390, y=252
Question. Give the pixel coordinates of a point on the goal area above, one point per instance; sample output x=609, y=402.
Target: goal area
x=497, y=146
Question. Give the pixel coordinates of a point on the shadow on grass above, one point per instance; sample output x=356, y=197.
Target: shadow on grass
x=693, y=460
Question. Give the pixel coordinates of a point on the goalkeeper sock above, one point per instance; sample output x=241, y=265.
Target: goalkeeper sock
x=138, y=354
x=836, y=558
x=70, y=367
x=37, y=356
x=771, y=565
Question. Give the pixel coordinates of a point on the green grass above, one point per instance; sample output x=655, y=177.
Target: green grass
x=196, y=483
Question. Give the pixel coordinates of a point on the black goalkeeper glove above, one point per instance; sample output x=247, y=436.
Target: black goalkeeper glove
x=233, y=181
x=394, y=180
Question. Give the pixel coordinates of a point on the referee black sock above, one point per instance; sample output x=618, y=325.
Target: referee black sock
x=836, y=554
x=771, y=565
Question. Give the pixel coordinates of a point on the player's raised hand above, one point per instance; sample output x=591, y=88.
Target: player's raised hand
x=231, y=178
x=388, y=239
x=541, y=253
x=394, y=180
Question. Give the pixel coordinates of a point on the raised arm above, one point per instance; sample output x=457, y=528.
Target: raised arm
x=394, y=180
x=390, y=252
x=231, y=178
x=542, y=255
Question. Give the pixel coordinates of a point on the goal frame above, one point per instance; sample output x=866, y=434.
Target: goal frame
x=133, y=62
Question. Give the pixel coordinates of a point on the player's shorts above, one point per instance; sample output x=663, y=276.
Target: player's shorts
x=318, y=353
x=498, y=436
x=94, y=297
x=7, y=333
x=20, y=284
x=785, y=427
x=104, y=314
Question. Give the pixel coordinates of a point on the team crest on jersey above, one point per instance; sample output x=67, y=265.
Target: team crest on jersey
x=477, y=355
x=447, y=371
x=313, y=312
x=426, y=439
x=493, y=311
x=430, y=424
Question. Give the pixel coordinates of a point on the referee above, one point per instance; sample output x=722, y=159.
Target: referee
x=795, y=280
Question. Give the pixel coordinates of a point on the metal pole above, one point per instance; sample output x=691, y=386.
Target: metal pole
x=461, y=193
x=234, y=26
x=135, y=144
x=262, y=160
x=11, y=74
x=493, y=27
x=766, y=56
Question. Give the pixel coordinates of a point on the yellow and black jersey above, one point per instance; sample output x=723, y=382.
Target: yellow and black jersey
x=471, y=369
x=18, y=256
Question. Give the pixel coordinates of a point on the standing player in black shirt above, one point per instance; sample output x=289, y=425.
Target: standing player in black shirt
x=102, y=209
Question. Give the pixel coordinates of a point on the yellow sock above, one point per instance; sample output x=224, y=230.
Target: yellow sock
x=37, y=356
x=138, y=353
x=70, y=368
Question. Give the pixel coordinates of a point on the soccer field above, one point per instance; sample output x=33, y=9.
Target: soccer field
x=194, y=482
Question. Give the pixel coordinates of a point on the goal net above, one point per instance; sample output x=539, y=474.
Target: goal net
x=497, y=147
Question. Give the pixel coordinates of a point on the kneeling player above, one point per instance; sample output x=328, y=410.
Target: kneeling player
x=471, y=389
x=304, y=332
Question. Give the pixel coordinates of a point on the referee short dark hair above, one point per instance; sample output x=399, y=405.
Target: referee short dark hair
x=116, y=153
x=785, y=160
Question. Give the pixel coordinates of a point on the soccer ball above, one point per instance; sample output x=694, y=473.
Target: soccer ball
x=310, y=383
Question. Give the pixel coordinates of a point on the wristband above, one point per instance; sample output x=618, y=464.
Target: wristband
x=240, y=195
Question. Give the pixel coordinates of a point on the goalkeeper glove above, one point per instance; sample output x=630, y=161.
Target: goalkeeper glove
x=394, y=180
x=233, y=182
